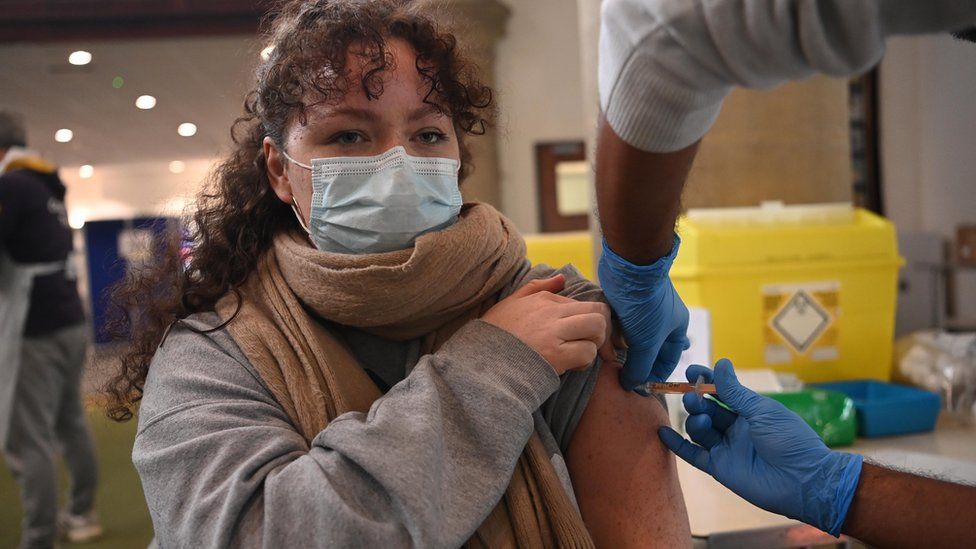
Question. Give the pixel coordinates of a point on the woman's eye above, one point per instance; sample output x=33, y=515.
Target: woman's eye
x=348, y=138
x=431, y=137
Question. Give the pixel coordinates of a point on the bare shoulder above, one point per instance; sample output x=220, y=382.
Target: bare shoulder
x=617, y=462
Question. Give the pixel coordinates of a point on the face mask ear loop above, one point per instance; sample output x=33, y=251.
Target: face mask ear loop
x=293, y=161
x=294, y=203
x=298, y=214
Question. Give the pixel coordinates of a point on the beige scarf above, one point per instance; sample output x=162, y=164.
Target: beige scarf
x=430, y=291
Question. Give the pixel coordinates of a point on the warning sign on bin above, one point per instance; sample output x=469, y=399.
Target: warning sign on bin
x=800, y=322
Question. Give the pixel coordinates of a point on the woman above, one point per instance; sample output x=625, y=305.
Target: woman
x=359, y=360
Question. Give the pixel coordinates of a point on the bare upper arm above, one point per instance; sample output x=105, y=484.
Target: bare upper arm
x=625, y=480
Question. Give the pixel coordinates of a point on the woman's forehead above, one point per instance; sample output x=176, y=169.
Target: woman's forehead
x=399, y=63
x=396, y=89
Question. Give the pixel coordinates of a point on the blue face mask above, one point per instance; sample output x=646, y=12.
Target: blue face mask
x=376, y=204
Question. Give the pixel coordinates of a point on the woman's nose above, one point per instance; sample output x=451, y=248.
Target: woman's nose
x=393, y=142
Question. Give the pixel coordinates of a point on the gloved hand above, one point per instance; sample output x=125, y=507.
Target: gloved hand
x=765, y=453
x=653, y=318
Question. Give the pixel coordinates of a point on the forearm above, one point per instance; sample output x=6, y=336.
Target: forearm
x=447, y=438
x=422, y=468
x=639, y=196
x=895, y=509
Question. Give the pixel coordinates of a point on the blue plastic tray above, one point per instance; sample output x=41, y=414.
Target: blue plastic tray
x=885, y=409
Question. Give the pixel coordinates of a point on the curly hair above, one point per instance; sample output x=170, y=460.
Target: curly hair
x=236, y=214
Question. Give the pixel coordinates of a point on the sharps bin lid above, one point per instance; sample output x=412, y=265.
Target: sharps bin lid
x=729, y=239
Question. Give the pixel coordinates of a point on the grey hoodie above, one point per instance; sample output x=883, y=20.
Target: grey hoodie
x=221, y=465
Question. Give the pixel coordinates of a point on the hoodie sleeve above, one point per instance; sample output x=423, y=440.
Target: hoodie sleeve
x=564, y=409
x=666, y=65
x=222, y=466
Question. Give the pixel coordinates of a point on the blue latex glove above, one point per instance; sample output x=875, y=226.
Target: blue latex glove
x=765, y=453
x=653, y=318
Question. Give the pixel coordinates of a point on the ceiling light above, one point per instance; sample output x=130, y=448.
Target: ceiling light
x=146, y=102
x=266, y=52
x=76, y=219
x=80, y=58
x=64, y=135
x=86, y=171
x=187, y=129
x=177, y=166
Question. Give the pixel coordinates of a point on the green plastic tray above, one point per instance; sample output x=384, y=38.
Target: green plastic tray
x=829, y=413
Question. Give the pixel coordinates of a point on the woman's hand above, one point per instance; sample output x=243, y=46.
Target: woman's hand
x=567, y=333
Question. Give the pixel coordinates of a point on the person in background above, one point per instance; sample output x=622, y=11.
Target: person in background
x=665, y=68
x=43, y=347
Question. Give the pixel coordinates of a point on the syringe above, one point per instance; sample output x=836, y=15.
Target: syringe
x=679, y=388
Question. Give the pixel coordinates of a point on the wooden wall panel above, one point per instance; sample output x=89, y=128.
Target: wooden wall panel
x=790, y=144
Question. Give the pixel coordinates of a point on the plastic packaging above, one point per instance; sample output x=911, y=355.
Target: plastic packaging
x=830, y=414
x=943, y=363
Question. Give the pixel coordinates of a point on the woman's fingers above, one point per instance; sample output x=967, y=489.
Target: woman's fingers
x=591, y=321
x=553, y=285
x=579, y=354
x=588, y=326
x=567, y=333
x=573, y=307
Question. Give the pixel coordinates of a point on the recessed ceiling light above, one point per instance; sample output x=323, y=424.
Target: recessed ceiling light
x=187, y=129
x=80, y=58
x=146, y=102
x=177, y=166
x=266, y=52
x=64, y=135
x=86, y=171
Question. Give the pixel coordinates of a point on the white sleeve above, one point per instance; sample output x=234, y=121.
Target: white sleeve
x=666, y=65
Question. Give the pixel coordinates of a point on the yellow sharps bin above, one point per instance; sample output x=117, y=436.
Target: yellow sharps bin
x=558, y=249
x=804, y=289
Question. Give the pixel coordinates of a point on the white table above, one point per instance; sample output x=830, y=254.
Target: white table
x=726, y=520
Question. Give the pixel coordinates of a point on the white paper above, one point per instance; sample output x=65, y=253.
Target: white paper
x=700, y=335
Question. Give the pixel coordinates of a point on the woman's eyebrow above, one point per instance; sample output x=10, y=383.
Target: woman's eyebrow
x=351, y=112
x=423, y=112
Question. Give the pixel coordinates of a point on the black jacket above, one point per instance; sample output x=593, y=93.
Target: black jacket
x=34, y=229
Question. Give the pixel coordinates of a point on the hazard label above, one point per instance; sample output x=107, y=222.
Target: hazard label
x=800, y=322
